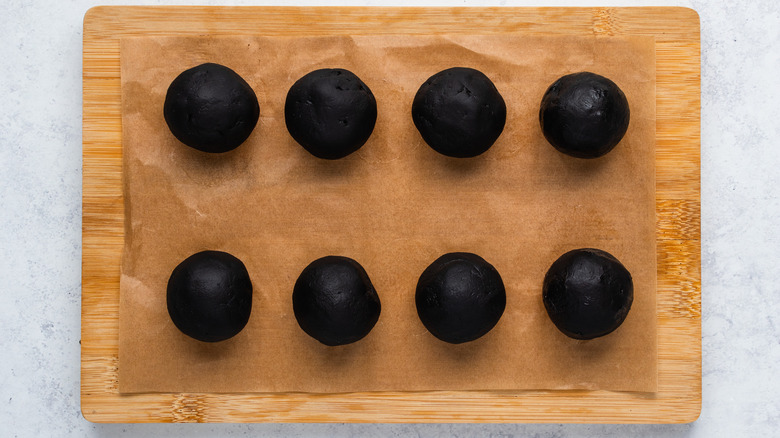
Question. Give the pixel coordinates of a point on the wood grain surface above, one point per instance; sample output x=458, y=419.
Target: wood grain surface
x=677, y=209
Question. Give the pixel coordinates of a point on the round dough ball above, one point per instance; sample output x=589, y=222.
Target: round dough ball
x=210, y=296
x=460, y=297
x=459, y=112
x=211, y=108
x=330, y=112
x=584, y=115
x=587, y=293
x=335, y=302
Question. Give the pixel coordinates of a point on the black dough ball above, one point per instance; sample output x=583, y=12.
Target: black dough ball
x=211, y=108
x=459, y=112
x=460, y=297
x=584, y=115
x=587, y=293
x=335, y=302
x=330, y=112
x=210, y=296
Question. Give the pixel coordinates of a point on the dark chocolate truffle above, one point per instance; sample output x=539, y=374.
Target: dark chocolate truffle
x=330, y=112
x=460, y=297
x=210, y=296
x=584, y=115
x=211, y=108
x=335, y=302
x=587, y=293
x=459, y=112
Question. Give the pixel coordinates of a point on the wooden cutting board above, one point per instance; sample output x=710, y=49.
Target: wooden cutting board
x=677, y=208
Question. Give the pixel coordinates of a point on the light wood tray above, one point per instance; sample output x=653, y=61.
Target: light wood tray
x=677, y=207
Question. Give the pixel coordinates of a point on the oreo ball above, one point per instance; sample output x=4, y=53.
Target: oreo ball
x=584, y=115
x=334, y=301
x=330, y=112
x=210, y=296
x=587, y=293
x=460, y=297
x=459, y=112
x=211, y=108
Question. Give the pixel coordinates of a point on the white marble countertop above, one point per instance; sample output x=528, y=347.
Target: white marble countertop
x=40, y=230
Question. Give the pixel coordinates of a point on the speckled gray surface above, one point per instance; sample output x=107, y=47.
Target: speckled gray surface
x=40, y=231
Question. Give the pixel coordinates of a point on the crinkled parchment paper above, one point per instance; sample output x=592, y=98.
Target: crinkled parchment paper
x=394, y=206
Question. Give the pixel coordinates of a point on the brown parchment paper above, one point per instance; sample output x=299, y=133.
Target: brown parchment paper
x=394, y=206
